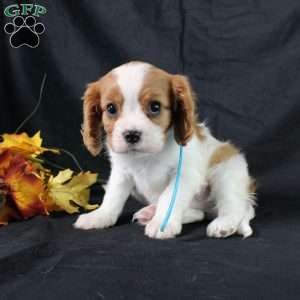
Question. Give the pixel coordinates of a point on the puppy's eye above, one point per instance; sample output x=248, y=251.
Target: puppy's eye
x=154, y=108
x=111, y=109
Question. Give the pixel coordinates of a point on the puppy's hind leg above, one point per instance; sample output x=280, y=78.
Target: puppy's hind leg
x=230, y=183
x=144, y=215
x=244, y=228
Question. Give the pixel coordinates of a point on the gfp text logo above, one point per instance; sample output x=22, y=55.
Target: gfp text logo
x=24, y=29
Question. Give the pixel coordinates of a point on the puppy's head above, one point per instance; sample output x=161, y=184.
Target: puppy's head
x=137, y=105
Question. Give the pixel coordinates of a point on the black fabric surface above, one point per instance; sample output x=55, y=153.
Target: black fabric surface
x=243, y=58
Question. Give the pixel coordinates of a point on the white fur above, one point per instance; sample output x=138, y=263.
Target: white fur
x=149, y=173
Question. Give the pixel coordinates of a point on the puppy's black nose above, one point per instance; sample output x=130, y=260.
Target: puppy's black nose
x=132, y=136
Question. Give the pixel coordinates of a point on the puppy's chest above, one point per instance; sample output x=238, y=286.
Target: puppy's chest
x=150, y=182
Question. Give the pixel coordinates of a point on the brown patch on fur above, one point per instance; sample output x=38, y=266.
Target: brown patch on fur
x=184, y=109
x=113, y=96
x=252, y=186
x=222, y=153
x=90, y=129
x=199, y=133
x=177, y=100
x=96, y=98
x=157, y=87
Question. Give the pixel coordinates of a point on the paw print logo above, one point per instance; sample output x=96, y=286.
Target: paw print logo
x=24, y=31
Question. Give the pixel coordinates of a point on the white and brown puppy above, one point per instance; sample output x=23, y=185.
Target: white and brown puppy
x=146, y=113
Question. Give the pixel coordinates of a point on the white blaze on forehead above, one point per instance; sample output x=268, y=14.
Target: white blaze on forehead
x=130, y=78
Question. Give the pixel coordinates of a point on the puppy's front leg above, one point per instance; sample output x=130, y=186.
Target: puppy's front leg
x=118, y=189
x=189, y=185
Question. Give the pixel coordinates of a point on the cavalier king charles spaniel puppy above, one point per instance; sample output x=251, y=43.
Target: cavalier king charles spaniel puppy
x=146, y=113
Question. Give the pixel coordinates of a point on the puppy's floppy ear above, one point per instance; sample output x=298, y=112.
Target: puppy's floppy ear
x=92, y=118
x=184, y=116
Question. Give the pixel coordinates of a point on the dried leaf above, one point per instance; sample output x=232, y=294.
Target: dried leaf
x=5, y=158
x=69, y=193
x=82, y=181
x=61, y=177
x=25, y=145
x=25, y=188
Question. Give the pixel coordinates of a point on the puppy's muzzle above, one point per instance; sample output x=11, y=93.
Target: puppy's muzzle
x=132, y=136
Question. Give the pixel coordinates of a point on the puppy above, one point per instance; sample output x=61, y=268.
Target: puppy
x=146, y=113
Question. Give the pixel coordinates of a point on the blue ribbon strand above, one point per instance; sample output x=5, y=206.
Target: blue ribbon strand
x=175, y=191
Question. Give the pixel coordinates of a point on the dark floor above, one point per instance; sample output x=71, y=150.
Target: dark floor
x=45, y=258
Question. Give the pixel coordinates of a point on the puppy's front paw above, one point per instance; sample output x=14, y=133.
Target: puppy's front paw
x=94, y=220
x=173, y=228
x=222, y=227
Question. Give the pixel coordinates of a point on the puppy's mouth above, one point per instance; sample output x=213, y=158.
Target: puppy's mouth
x=141, y=148
x=135, y=150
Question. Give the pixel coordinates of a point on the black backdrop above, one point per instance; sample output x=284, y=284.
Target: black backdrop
x=243, y=58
